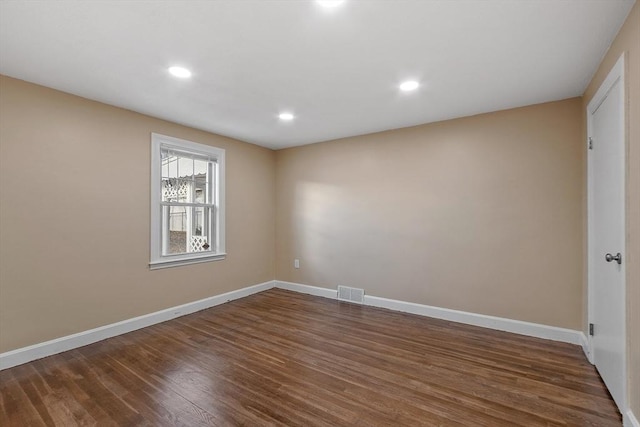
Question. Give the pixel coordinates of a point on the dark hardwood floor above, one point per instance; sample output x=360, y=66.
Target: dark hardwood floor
x=282, y=358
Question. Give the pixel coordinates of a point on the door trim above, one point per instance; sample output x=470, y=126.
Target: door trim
x=616, y=75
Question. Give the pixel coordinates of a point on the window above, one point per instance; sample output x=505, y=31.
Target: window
x=187, y=202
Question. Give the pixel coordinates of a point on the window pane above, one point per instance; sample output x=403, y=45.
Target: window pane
x=200, y=167
x=185, y=167
x=164, y=164
x=199, y=223
x=177, y=190
x=174, y=230
x=169, y=165
x=201, y=178
x=185, y=179
x=201, y=189
x=186, y=229
x=200, y=239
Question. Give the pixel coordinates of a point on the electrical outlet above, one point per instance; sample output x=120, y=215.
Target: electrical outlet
x=296, y=263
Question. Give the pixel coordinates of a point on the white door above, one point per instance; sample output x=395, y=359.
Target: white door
x=606, y=240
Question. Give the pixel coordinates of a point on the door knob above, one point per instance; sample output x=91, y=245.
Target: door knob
x=617, y=258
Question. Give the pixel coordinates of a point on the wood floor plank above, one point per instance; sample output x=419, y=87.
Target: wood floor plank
x=286, y=359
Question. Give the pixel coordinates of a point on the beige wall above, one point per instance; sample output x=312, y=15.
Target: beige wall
x=628, y=42
x=74, y=217
x=482, y=214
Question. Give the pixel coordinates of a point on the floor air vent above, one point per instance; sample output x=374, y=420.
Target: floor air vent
x=346, y=293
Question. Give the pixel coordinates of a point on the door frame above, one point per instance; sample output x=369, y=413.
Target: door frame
x=616, y=75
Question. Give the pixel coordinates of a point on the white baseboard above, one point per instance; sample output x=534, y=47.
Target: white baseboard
x=630, y=420
x=69, y=342
x=499, y=323
x=306, y=289
x=537, y=330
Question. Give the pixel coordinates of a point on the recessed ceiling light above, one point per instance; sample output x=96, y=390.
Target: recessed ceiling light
x=409, y=85
x=330, y=3
x=286, y=116
x=181, y=72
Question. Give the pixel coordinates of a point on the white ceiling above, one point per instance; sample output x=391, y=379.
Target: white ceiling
x=337, y=70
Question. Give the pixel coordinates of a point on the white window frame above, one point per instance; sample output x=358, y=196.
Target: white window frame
x=158, y=260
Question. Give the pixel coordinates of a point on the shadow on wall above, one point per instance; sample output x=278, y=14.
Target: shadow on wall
x=343, y=234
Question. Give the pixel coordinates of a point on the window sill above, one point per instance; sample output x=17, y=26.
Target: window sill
x=167, y=263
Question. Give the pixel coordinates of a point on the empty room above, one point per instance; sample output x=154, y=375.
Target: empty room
x=320, y=213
